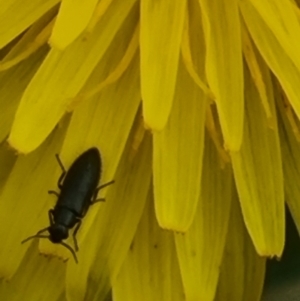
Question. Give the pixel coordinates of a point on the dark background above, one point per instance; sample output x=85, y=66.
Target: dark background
x=282, y=282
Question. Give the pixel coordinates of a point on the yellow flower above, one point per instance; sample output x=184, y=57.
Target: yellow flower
x=198, y=203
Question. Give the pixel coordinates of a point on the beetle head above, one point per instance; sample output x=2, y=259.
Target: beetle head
x=58, y=233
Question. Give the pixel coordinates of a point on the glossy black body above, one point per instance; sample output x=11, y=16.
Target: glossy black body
x=77, y=192
x=80, y=183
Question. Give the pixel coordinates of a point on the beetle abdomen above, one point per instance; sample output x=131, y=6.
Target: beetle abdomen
x=81, y=182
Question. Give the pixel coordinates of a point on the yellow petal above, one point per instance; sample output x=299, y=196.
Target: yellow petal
x=161, y=33
x=200, y=267
x=11, y=89
x=186, y=51
x=291, y=164
x=100, y=10
x=73, y=17
x=150, y=271
x=258, y=173
x=224, y=66
x=177, y=157
x=242, y=270
x=250, y=56
x=7, y=159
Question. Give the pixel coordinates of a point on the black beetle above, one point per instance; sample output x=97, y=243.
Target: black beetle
x=78, y=190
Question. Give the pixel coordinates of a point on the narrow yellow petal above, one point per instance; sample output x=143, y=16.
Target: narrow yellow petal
x=224, y=66
x=274, y=53
x=291, y=116
x=73, y=17
x=291, y=164
x=105, y=243
x=60, y=78
x=13, y=83
x=138, y=136
x=160, y=37
x=99, y=12
x=7, y=159
x=242, y=270
x=258, y=173
x=187, y=53
x=17, y=15
x=215, y=133
x=150, y=271
x=200, y=267
x=177, y=157
x=254, y=68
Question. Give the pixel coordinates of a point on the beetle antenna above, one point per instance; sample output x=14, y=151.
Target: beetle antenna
x=34, y=236
x=70, y=249
x=47, y=236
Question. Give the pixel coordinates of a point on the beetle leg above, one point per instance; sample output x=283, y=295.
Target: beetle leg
x=50, y=213
x=41, y=231
x=53, y=192
x=74, y=234
x=94, y=198
x=59, y=183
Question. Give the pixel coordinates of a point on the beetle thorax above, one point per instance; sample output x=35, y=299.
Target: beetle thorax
x=58, y=233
